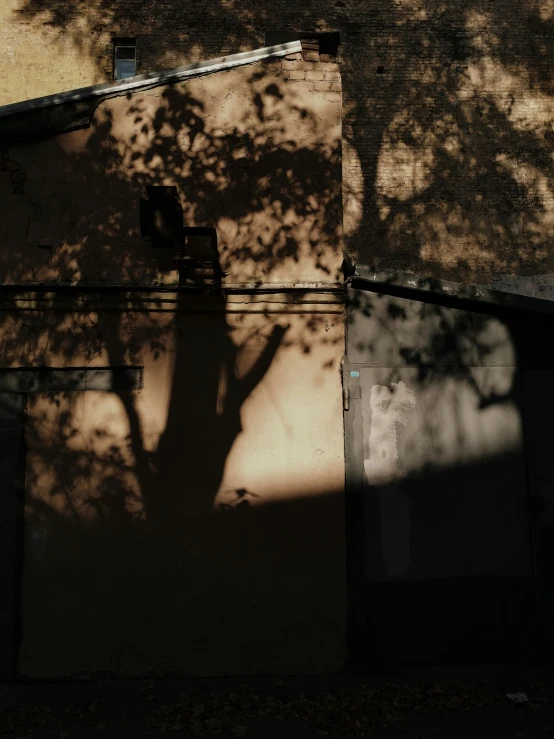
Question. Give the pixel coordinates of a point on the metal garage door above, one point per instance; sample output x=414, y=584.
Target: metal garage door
x=439, y=415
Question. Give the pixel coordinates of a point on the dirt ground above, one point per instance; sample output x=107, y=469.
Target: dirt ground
x=413, y=705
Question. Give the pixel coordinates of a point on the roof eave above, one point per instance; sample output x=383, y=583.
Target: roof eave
x=66, y=111
x=454, y=294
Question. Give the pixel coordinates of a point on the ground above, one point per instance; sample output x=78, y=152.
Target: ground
x=411, y=705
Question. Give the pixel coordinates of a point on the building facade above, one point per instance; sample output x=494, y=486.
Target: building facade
x=446, y=111
x=189, y=232
x=173, y=315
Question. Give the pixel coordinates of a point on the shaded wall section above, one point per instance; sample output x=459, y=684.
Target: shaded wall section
x=449, y=509
x=194, y=526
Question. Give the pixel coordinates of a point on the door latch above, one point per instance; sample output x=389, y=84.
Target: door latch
x=346, y=398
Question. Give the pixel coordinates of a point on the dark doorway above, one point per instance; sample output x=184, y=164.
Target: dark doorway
x=15, y=384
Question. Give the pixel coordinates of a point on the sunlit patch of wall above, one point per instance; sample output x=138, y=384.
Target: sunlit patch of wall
x=453, y=376
x=92, y=474
x=291, y=421
x=42, y=59
x=353, y=194
x=450, y=427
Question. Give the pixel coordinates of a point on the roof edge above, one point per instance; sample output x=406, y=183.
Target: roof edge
x=152, y=79
x=475, y=297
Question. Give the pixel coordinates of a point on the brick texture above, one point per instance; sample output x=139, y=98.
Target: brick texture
x=447, y=109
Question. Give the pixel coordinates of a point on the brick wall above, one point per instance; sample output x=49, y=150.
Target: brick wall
x=447, y=141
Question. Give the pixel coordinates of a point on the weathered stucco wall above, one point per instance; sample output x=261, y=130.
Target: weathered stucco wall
x=253, y=154
x=447, y=110
x=196, y=525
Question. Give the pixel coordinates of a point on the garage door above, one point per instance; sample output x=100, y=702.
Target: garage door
x=440, y=408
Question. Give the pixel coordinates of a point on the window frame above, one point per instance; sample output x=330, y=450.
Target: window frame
x=124, y=43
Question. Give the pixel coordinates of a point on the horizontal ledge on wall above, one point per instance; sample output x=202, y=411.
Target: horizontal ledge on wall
x=227, y=287
x=86, y=299
x=56, y=380
x=305, y=308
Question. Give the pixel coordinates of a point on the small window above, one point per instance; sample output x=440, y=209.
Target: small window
x=125, y=58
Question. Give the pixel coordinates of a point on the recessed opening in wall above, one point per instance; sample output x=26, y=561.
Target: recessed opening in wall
x=199, y=264
x=191, y=251
x=200, y=244
x=324, y=44
x=124, y=58
x=161, y=217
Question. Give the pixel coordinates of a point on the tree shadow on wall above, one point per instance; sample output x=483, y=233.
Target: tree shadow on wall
x=446, y=117
x=121, y=487
x=282, y=198
x=442, y=510
x=459, y=166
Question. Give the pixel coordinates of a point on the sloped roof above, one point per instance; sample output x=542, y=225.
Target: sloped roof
x=66, y=111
